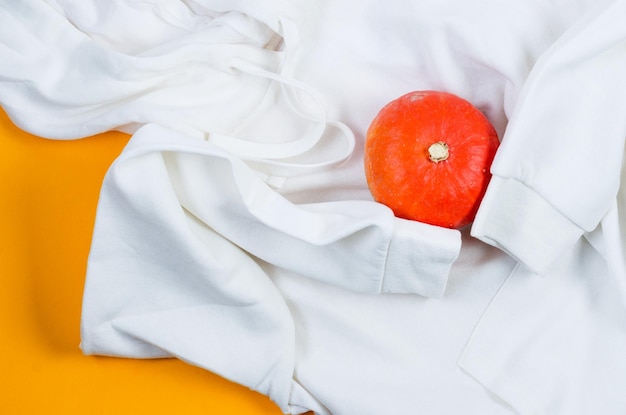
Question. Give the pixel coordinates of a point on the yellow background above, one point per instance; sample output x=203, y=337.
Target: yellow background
x=47, y=206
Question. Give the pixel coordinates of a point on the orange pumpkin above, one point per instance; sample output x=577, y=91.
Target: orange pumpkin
x=427, y=157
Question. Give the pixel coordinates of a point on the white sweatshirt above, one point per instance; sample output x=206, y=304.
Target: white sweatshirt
x=236, y=232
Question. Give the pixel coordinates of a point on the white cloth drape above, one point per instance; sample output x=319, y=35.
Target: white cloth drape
x=236, y=232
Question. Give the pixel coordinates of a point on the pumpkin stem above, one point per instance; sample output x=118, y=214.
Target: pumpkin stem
x=438, y=151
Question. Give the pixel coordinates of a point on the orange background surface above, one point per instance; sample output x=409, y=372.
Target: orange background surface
x=47, y=208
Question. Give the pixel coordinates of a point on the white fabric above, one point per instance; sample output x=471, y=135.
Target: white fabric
x=557, y=177
x=573, y=166
x=236, y=232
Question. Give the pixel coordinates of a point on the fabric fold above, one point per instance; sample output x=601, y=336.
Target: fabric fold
x=204, y=335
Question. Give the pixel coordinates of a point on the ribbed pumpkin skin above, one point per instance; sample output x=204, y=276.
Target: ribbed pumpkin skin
x=398, y=168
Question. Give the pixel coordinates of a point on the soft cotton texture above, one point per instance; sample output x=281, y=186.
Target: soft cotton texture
x=236, y=232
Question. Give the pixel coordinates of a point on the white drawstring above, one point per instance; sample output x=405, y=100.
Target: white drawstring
x=271, y=158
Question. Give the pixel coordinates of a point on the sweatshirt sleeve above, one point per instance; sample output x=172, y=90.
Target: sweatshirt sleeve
x=358, y=245
x=557, y=171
